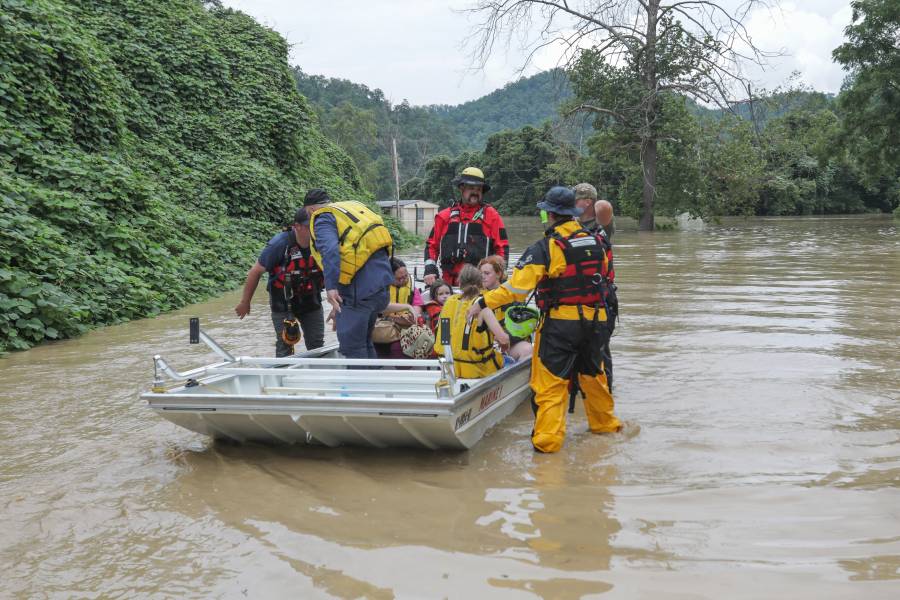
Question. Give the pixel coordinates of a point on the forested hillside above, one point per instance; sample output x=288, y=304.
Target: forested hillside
x=786, y=152
x=147, y=151
x=788, y=160
x=364, y=122
x=781, y=153
x=527, y=101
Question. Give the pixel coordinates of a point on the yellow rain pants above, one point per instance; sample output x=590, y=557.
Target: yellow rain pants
x=563, y=345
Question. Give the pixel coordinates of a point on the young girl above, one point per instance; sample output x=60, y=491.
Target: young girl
x=493, y=273
x=440, y=291
x=471, y=343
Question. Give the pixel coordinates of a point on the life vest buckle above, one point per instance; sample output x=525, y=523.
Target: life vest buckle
x=288, y=286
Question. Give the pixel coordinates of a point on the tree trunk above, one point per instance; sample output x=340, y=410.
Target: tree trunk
x=649, y=167
x=648, y=143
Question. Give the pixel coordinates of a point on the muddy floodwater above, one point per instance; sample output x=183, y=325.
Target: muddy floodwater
x=757, y=368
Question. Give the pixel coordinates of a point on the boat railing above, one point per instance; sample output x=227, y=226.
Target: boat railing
x=372, y=363
x=319, y=375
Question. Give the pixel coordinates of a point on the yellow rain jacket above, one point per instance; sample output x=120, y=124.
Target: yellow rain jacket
x=568, y=345
x=361, y=233
x=471, y=345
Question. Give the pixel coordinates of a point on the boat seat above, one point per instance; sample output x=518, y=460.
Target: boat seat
x=427, y=379
x=348, y=390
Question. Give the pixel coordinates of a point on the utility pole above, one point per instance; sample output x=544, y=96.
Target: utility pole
x=396, y=179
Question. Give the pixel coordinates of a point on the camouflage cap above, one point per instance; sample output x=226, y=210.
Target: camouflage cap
x=585, y=191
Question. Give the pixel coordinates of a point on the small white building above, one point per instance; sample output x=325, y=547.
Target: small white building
x=416, y=216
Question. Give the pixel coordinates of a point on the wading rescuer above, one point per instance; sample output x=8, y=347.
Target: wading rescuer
x=352, y=246
x=567, y=268
x=295, y=288
x=597, y=217
x=465, y=232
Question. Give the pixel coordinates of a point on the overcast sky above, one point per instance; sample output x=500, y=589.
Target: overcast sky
x=413, y=49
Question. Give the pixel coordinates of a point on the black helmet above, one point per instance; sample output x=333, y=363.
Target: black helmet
x=316, y=196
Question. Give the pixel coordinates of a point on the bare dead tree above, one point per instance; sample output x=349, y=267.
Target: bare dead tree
x=694, y=48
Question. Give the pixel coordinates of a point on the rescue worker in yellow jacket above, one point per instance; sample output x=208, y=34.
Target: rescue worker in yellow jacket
x=352, y=246
x=568, y=269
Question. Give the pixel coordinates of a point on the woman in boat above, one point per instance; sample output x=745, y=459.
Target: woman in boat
x=404, y=309
x=493, y=273
x=402, y=296
x=471, y=342
x=439, y=292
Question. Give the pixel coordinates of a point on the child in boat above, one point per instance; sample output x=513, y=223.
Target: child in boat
x=493, y=274
x=439, y=292
x=470, y=342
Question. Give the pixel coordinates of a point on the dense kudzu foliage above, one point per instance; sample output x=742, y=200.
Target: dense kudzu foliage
x=147, y=151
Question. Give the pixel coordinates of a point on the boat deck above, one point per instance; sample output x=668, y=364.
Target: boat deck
x=322, y=398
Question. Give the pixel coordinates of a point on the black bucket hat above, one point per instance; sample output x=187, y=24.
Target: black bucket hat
x=560, y=200
x=301, y=217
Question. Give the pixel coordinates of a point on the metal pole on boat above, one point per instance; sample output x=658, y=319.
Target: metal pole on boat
x=445, y=385
x=160, y=364
x=197, y=335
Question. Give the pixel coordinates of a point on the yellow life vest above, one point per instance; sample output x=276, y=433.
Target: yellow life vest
x=500, y=313
x=472, y=345
x=400, y=295
x=361, y=233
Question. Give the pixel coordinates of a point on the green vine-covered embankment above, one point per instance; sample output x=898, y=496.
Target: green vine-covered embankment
x=147, y=150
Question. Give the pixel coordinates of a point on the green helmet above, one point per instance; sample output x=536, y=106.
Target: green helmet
x=521, y=320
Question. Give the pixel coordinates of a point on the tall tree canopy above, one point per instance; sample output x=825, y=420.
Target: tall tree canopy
x=637, y=51
x=871, y=97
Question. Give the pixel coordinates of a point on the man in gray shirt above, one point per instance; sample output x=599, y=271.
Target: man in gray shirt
x=598, y=218
x=598, y=214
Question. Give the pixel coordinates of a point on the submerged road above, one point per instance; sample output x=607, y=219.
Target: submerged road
x=757, y=371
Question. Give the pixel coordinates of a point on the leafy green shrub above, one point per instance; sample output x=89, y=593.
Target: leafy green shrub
x=147, y=152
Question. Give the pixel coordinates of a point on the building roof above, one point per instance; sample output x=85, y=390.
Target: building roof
x=404, y=203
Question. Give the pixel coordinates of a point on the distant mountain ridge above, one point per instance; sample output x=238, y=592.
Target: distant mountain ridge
x=364, y=123
x=526, y=101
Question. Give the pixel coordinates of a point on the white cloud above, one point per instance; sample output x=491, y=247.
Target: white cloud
x=807, y=35
x=413, y=49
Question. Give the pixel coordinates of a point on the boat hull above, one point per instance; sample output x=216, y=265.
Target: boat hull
x=325, y=402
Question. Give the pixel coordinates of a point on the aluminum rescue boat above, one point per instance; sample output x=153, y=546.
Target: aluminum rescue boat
x=319, y=397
